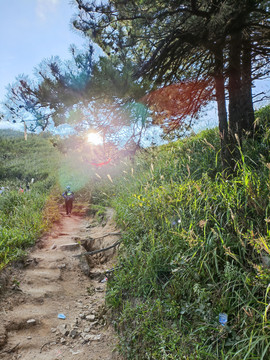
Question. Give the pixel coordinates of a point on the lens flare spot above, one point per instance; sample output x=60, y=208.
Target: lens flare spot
x=94, y=138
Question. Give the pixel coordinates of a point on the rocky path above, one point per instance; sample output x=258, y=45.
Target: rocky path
x=54, y=282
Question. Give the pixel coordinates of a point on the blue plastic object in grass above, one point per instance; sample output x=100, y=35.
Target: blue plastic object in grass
x=223, y=319
x=61, y=316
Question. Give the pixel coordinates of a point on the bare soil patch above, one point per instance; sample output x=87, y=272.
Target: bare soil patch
x=53, y=281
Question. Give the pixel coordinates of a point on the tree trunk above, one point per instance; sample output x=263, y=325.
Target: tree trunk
x=222, y=112
x=248, y=111
x=235, y=95
x=25, y=131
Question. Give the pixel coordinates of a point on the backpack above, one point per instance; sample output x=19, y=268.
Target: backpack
x=69, y=196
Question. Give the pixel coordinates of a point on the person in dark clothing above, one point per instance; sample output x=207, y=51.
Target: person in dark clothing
x=69, y=197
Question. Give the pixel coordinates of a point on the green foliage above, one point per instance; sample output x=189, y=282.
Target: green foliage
x=21, y=223
x=22, y=215
x=194, y=245
x=262, y=124
x=98, y=211
x=57, y=87
x=23, y=160
x=114, y=77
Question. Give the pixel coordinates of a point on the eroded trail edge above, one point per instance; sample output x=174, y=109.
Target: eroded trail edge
x=53, y=281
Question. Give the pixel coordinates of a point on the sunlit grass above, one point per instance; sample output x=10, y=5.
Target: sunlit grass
x=194, y=245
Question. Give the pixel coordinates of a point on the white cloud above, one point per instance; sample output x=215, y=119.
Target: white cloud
x=45, y=7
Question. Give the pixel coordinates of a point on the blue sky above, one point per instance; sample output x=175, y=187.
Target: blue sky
x=31, y=30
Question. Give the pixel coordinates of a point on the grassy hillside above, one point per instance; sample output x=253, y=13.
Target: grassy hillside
x=23, y=160
x=195, y=245
x=22, y=215
x=4, y=133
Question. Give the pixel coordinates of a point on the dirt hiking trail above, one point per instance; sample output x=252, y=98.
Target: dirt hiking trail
x=51, y=282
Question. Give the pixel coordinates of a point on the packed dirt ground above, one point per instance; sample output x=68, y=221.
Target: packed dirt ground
x=52, y=282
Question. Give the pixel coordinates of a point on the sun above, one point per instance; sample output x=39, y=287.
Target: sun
x=94, y=138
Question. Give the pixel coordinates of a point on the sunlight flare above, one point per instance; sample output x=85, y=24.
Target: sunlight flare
x=94, y=138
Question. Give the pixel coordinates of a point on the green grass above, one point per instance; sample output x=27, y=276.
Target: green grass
x=194, y=245
x=21, y=223
x=24, y=216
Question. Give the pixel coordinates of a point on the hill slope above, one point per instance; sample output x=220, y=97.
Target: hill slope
x=22, y=216
x=195, y=245
x=4, y=133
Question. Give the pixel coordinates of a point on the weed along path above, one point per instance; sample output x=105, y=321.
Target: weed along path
x=54, y=284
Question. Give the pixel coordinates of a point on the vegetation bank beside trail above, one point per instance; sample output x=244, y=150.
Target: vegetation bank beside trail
x=195, y=245
x=25, y=214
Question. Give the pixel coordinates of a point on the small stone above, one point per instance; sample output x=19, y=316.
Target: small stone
x=75, y=352
x=63, y=329
x=85, y=336
x=53, y=330
x=87, y=329
x=99, y=289
x=31, y=322
x=82, y=316
x=29, y=337
x=90, y=337
x=94, y=337
x=63, y=340
x=90, y=317
x=62, y=266
x=94, y=323
x=73, y=333
x=54, y=246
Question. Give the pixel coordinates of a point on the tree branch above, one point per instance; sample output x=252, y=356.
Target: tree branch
x=98, y=251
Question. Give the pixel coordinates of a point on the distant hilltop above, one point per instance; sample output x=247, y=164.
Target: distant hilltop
x=9, y=133
x=4, y=133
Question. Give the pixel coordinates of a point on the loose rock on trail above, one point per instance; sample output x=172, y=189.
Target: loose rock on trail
x=53, y=283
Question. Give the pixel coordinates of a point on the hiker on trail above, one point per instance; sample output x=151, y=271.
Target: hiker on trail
x=69, y=197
